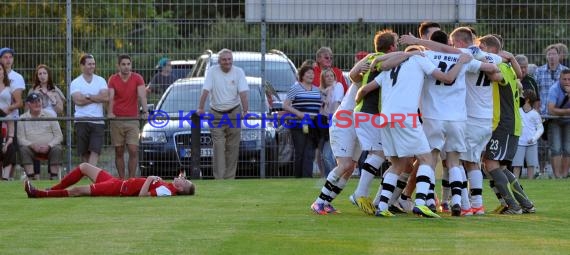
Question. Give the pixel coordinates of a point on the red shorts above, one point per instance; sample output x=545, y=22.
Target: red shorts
x=106, y=185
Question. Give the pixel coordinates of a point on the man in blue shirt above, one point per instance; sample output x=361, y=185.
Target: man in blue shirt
x=559, y=129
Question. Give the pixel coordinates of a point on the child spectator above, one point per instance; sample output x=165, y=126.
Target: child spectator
x=532, y=130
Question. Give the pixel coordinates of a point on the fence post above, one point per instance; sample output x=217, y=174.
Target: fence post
x=262, y=158
x=195, y=146
x=69, y=63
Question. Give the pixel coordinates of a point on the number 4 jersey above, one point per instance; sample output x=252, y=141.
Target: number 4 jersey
x=402, y=86
x=446, y=101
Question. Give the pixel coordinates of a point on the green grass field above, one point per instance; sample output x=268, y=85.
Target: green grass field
x=269, y=217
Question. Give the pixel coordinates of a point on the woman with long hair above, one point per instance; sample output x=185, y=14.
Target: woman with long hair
x=7, y=152
x=53, y=99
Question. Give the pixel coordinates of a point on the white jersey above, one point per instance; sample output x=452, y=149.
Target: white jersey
x=479, y=92
x=402, y=86
x=348, y=102
x=443, y=101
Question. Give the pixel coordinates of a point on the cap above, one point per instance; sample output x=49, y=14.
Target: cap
x=162, y=62
x=33, y=97
x=6, y=50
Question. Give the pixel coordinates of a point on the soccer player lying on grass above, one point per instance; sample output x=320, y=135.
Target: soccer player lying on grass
x=104, y=184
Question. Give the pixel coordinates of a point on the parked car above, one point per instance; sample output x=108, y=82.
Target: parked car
x=280, y=71
x=165, y=151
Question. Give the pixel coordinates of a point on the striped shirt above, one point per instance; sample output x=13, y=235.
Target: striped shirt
x=306, y=101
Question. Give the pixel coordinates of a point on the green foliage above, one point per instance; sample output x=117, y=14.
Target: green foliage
x=528, y=28
x=150, y=29
x=269, y=217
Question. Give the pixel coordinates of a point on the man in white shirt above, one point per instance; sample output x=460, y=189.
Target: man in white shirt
x=229, y=91
x=89, y=92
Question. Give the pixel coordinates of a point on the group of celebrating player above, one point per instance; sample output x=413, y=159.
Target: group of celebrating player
x=467, y=92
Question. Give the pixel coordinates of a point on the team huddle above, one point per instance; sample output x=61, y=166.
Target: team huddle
x=467, y=92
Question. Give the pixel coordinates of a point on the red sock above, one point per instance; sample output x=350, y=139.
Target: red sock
x=72, y=178
x=52, y=193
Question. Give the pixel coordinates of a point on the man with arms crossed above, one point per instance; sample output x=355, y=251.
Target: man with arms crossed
x=89, y=92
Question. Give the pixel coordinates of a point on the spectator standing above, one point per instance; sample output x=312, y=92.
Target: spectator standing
x=89, y=93
x=332, y=94
x=528, y=82
x=39, y=138
x=563, y=49
x=126, y=91
x=17, y=87
x=324, y=61
x=559, y=129
x=548, y=74
x=161, y=80
x=304, y=101
x=527, y=149
x=17, y=84
x=8, y=152
x=227, y=85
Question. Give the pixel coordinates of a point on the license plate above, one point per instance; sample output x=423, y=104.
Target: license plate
x=204, y=152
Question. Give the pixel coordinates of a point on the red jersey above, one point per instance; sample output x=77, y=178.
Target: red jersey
x=126, y=102
x=337, y=73
x=133, y=186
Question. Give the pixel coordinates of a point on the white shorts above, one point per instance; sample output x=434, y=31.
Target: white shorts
x=528, y=153
x=404, y=142
x=369, y=136
x=343, y=141
x=445, y=135
x=477, y=136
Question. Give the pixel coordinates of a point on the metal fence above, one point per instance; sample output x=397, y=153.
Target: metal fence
x=56, y=33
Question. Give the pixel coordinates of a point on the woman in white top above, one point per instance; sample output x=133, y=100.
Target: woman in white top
x=332, y=93
x=7, y=153
x=532, y=130
x=53, y=99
